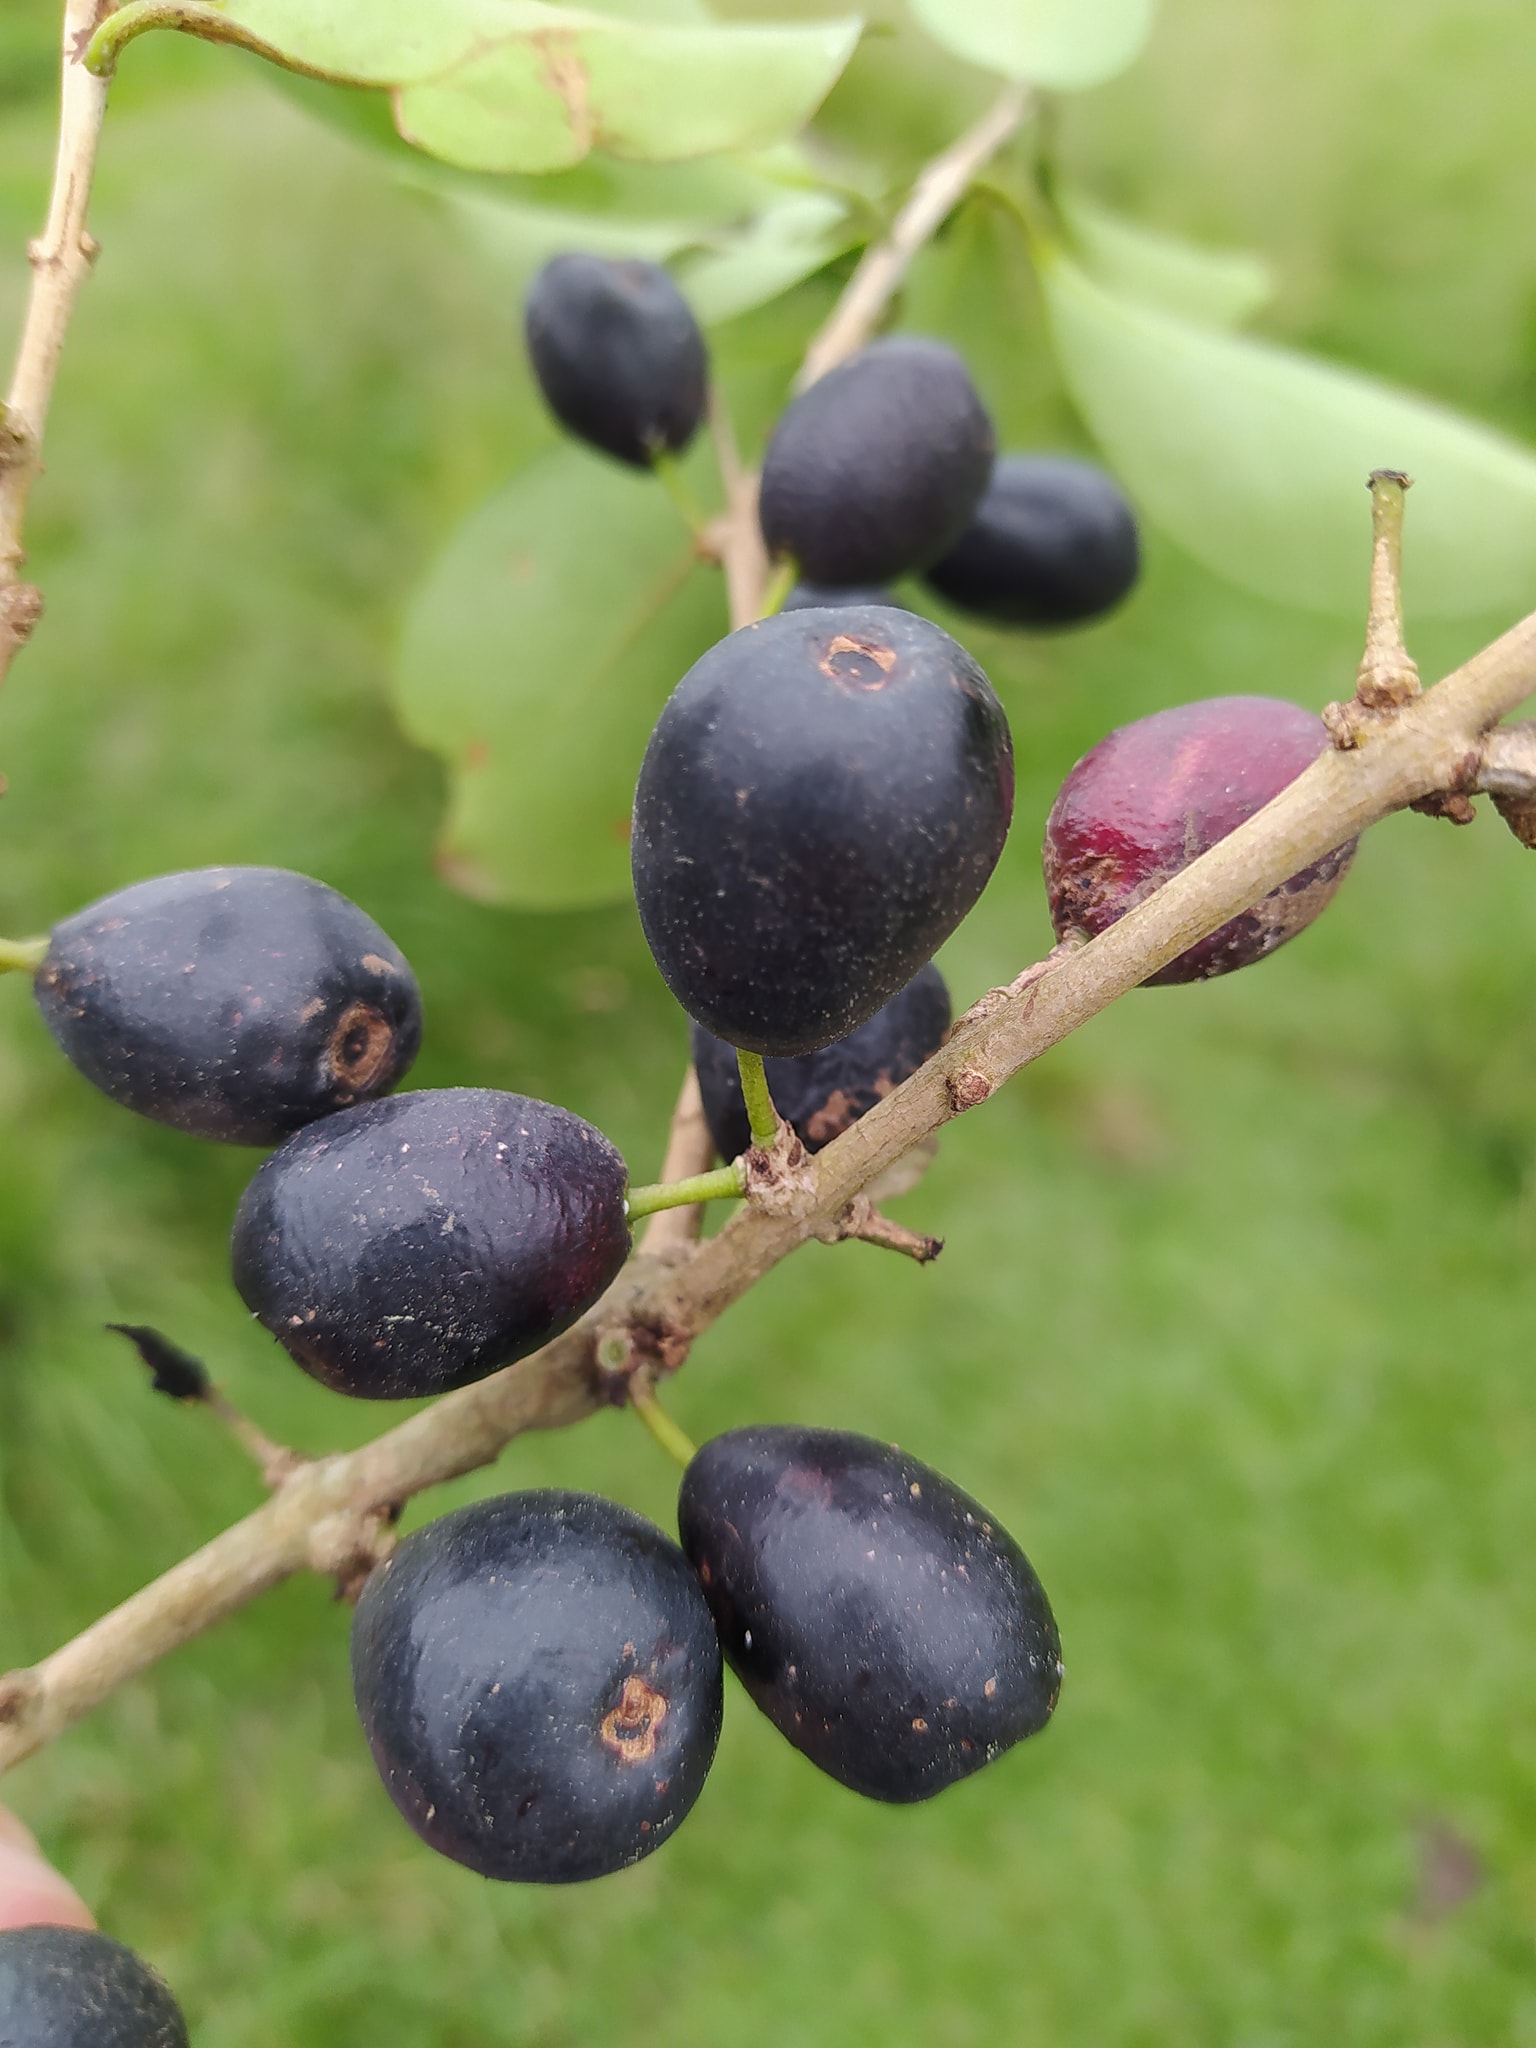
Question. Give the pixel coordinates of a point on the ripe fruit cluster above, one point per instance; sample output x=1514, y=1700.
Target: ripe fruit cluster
x=823, y=799
x=886, y=466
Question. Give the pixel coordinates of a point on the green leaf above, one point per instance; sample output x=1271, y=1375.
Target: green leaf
x=1222, y=288
x=535, y=659
x=576, y=82
x=1065, y=45
x=774, y=251
x=1255, y=458
x=521, y=85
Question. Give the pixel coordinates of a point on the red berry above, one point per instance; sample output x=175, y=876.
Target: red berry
x=1155, y=795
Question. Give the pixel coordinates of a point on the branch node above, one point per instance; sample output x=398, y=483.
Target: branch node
x=21, y=606
x=20, y=1692
x=967, y=1090
x=348, y=1546
x=780, y=1178
x=1449, y=804
x=861, y=1219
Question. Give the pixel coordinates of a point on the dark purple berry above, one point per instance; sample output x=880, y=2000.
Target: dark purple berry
x=881, y=1619
x=1155, y=795
x=67, y=1987
x=822, y=1093
x=877, y=468
x=822, y=801
x=812, y=597
x=1053, y=543
x=618, y=355
x=412, y=1245
x=540, y=1684
x=234, y=1003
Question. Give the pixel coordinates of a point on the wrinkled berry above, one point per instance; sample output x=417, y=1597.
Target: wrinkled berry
x=540, y=1684
x=1155, y=795
x=822, y=801
x=65, y=1987
x=824, y=1092
x=877, y=468
x=878, y=1615
x=234, y=1003
x=409, y=1246
x=618, y=355
x=1053, y=543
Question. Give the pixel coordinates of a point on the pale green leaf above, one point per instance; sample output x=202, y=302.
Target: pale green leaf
x=1065, y=45
x=574, y=82
x=525, y=86
x=774, y=251
x=1255, y=458
x=1220, y=287
x=535, y=659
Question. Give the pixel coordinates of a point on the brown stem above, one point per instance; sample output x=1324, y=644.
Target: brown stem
x=61, y=260
x=1388, y=675
x=665, y=1304
x=690, y=1151
x=937, y=192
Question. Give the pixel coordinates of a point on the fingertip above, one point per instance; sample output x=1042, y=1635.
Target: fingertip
x=32, y=1893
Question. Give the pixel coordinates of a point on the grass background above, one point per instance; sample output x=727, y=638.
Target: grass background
x=1234, y=1324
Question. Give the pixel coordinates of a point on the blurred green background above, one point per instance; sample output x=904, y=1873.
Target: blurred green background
x=1234, y=1324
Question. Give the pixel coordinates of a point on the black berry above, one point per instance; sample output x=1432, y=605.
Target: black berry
x=878, y=1615
x=1154, y=795
x=412, y=1245
x=1053, y=543
x=812, y=597
x=540, y=1684
x=65, y=1987
x=618, y=355
x=822, y=1093
x=234, y=1003
x=878, y=467
x=822, y=801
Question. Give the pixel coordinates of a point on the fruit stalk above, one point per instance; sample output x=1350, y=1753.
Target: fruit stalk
x=22, y=956
x=61, y=260
x=762, y=1117
x=677, y=1444
x=719, y=1186
x=322, y=1511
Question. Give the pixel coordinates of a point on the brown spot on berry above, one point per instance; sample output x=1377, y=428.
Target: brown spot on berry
x=632, y=1728
x=361, y=1047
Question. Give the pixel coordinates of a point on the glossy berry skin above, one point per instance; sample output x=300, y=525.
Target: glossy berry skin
x=822, y=1093
x=822, y=801
x=540, y=1684
x=409, y=1246
x=233, y=1003
x=618, y=355
x=877, y=468
x=878, y=1615
x=1052, y=543
x=66, y=1987
x=1155, y=795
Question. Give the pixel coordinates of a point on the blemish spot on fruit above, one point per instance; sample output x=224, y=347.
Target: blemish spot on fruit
x=857, y=664
x=919, y=1725
x=632, y=1728
x=377, y=964
x=990, y=1688
x=361, y=1046
x=915, y=1490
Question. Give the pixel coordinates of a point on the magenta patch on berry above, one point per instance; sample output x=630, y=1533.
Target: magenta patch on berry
x=1154, y=796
